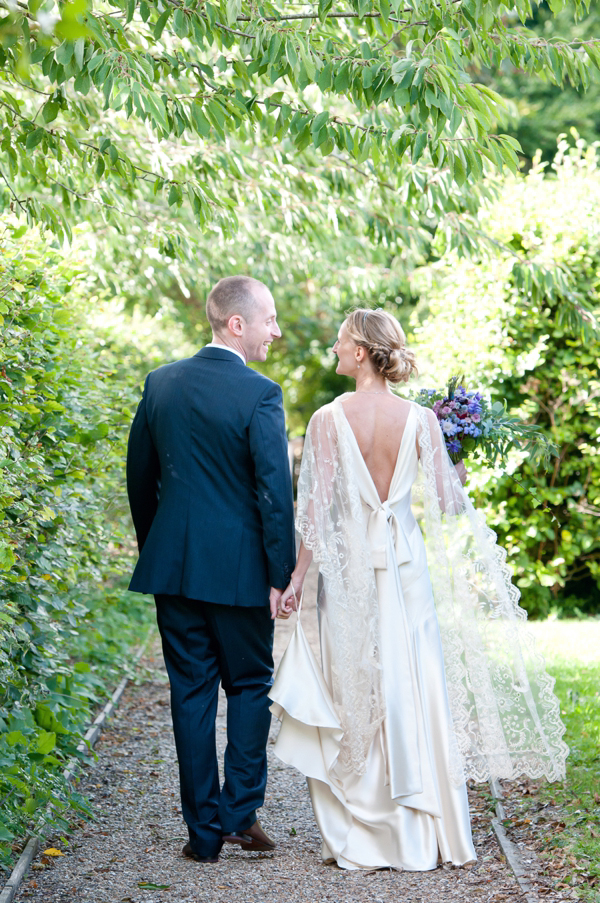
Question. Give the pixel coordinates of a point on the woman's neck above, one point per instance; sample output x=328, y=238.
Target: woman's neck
x=370, y=382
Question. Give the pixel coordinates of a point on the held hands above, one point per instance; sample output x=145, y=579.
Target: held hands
x=274, y=597
x=288, y=601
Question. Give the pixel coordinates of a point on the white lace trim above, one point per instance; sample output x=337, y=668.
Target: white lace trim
x=505, y=714
x=330, y=522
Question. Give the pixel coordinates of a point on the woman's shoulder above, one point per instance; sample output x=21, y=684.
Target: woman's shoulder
x=324, y=413
x=327, y=410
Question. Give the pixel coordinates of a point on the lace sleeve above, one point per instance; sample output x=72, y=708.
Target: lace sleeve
x=320, y=462
x=448, y=486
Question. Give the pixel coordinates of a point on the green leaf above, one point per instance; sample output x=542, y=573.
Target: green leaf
x=308, y=62
x=319, y=121
x=46, y=742
x=7, y=557
x=458, y=168
x=34, y=138
x=64, y=53
x=180, y=26
x=160, y=23
x=50, y=111
x=79, y=52
x=455, y=120
x=100, y=431
x=323, y=9
x=419, y=146
x=342, y=80
x=174, y=195
x=82, y=83
x=199, y=120
x=82, y=667
x=95, y=61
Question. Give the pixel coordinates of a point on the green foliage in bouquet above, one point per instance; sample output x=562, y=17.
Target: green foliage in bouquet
x=481, y=318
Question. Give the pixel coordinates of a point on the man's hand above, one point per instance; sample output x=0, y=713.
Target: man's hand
x=289, y=599
x=274, y=597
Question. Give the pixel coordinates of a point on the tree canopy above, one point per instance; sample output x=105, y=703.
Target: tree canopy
x=134, y=113
x=542, y=109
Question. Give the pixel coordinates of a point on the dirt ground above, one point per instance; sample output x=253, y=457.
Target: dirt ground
x=131, y=852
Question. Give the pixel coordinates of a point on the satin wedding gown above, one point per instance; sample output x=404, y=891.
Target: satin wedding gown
x=404, y=810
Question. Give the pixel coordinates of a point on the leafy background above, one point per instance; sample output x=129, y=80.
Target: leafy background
x=147, y=149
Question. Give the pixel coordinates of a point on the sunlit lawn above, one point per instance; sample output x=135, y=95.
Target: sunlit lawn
x=572, y=652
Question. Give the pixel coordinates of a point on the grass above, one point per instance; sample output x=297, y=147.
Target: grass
x=572, y=651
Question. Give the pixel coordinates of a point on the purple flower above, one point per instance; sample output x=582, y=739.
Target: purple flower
x=453, y=446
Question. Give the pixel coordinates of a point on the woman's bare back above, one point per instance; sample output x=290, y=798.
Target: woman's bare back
x=378, y=422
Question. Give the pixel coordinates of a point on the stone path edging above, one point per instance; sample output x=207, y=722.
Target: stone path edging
x=33, y=844
x=512, y=853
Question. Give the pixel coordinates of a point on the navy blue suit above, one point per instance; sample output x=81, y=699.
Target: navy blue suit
x=211, y=499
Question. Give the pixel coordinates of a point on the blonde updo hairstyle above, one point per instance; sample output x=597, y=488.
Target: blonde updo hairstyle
x=380, y=334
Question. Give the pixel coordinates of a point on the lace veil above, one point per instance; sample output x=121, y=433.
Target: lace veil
x=506, y=718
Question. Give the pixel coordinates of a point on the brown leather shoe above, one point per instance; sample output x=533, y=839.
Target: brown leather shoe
x=253, y=838
x=189, y=854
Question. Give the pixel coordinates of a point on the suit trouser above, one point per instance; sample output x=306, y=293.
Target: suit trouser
x=205, y=644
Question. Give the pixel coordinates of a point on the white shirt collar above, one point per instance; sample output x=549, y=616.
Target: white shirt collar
x=226, y=348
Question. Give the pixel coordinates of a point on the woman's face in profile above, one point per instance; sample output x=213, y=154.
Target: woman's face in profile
x=345, y=349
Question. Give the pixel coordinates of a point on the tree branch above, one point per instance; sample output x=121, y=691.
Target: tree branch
x=12, y=191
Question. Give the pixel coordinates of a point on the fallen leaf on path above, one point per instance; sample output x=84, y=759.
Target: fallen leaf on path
x=148, y=885
x=52, y=851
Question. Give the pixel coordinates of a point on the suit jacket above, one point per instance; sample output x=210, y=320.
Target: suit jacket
x=209, y=482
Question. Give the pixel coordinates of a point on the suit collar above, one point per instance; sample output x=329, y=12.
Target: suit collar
x=220, y=353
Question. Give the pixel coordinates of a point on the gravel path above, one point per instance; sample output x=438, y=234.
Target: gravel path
x=132, y=851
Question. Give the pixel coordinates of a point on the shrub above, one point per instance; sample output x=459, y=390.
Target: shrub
x=68, y=386
x=480, y=319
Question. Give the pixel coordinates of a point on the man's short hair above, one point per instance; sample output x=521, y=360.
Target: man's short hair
x=230, y=296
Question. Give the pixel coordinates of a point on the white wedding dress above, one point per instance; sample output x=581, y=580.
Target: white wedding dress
x=429, y=676
x=403, y=810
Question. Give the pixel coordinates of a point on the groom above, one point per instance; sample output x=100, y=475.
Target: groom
x=211, y=499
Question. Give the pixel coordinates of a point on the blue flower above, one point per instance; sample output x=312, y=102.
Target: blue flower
x=454, y=446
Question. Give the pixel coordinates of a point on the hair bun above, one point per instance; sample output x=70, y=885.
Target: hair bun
x=383, y=337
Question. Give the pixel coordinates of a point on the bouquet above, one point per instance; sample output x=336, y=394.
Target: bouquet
x=473, y=426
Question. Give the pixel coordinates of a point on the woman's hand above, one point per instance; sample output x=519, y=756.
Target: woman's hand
x=461, y=471
x=289, y=599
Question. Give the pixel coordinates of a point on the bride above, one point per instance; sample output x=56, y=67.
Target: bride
x=426, y=680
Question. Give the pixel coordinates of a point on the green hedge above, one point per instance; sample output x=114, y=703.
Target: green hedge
x=67, y=391
x=481, y=320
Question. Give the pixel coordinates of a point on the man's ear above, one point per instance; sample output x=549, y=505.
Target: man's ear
x=235, y=324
